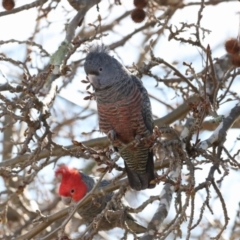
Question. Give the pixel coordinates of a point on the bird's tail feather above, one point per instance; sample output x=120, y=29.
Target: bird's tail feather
x=134, y=226
x=144, y=180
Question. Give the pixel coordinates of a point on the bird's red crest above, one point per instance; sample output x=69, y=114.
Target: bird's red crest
x=62, y=170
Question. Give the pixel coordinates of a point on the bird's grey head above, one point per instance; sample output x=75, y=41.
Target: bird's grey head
x=102, y=69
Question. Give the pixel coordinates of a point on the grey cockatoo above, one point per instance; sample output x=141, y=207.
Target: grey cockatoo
x=75, y=185
x=125, y=114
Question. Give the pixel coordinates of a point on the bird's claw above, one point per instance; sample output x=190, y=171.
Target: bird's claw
x=40, y=218
x=137, y=140
x=111, y=136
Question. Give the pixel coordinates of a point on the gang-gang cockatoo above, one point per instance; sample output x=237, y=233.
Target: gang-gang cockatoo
x=75, y=185
x=125, y=114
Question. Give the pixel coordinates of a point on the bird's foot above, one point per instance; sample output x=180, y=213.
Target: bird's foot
x=111, y=136
x=137, y=140
x=95, y=202
x=40, y=218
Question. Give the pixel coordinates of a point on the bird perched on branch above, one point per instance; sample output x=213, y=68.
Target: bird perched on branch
x=125, y=114
x=75, y=185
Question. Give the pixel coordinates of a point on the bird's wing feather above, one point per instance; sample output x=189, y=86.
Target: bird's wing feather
x=146, y=105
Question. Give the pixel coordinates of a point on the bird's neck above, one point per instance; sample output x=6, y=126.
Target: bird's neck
x=116, y=92
x=88, y=181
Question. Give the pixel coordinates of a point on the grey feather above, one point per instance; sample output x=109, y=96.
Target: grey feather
x=124, y=108
x=89, y=211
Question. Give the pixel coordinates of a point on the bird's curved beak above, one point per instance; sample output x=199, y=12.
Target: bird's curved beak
x=93, y=79
x=66, y=200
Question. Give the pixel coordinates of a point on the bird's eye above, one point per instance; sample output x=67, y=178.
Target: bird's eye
x=100, y=69
x=72, y=191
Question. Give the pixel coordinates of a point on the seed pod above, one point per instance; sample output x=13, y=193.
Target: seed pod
x=236, y=60
x=232, y=46
x=140, y=3
x=138, y=15
x=8, y=4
